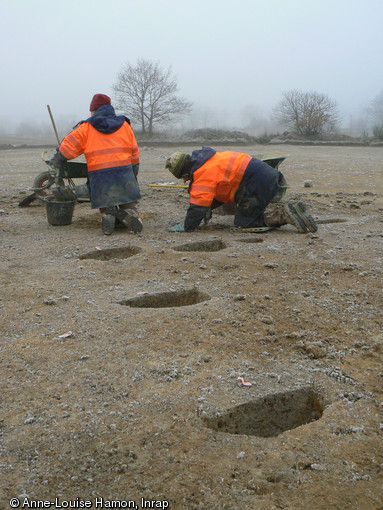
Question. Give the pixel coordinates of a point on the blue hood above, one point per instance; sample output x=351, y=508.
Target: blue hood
x=199, y=158
x=105, y=119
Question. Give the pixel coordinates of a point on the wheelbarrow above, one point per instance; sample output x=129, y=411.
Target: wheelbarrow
x=44, y=181
x=70, y=170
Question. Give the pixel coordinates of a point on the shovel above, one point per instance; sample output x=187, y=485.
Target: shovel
x=61, y=192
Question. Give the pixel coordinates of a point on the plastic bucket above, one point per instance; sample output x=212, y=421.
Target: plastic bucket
x=59, y=213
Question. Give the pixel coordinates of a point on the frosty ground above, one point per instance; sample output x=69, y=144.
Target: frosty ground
x=142, y=399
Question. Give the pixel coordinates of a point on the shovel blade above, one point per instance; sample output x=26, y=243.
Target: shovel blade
x=63, y=194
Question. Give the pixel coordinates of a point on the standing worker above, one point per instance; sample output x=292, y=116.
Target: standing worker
x=217, y=178
x=112, y=157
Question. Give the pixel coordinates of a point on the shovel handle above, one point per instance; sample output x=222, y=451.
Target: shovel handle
x=53, y=123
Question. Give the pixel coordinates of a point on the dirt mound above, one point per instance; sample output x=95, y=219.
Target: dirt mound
x=290, y=138
x=218, y=135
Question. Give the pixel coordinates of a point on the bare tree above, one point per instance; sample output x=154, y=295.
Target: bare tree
x=148, y=94
x=307, y=113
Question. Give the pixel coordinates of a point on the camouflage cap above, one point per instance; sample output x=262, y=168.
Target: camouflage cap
x=175, y=163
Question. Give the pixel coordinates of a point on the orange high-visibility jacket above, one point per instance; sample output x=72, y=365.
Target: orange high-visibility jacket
x=101, y=150
x=218, y=178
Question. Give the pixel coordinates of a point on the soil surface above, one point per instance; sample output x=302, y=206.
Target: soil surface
x=142, y=398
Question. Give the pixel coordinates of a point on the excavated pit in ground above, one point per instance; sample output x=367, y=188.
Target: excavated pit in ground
x=271, y=415
x=112, y=253
x=213, y=245
x=170, y=299
x=251, y=240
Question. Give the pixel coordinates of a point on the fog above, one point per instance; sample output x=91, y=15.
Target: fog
x=229, y=57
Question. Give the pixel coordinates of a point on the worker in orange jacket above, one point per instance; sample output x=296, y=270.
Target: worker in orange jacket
x=112, y=157
x=217, y=178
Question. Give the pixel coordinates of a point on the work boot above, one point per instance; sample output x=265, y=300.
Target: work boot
x=108, y=220
x=292, y=214
x=130, y=219
x=297, y=213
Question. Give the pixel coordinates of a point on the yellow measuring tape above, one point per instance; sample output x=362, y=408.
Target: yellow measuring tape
x=168, y=185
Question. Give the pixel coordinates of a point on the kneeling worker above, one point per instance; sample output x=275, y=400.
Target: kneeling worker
x=220, y=177
x=112, y=157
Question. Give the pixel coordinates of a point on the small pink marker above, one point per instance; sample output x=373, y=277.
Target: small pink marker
x=98, y=248
x=65, y=335
x=244, y=383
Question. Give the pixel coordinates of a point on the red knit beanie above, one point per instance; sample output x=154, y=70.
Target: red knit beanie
x=98, y=100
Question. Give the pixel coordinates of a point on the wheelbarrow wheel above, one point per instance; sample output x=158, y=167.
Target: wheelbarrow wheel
x=42, y=183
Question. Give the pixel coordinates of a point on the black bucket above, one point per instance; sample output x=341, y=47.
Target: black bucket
x=59, y=213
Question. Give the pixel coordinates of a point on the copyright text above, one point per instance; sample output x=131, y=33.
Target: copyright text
x=26, y=502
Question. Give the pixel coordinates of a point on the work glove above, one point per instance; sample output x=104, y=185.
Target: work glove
x=54, y=167
x=53, y=171
x=56, y=164
x=180, y=227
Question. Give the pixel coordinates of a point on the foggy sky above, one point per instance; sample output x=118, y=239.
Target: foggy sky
x=225, y=54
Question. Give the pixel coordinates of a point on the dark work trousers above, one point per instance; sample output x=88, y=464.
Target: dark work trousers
x=257, y=188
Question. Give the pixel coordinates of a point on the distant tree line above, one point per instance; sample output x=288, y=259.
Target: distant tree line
x=148, y=94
